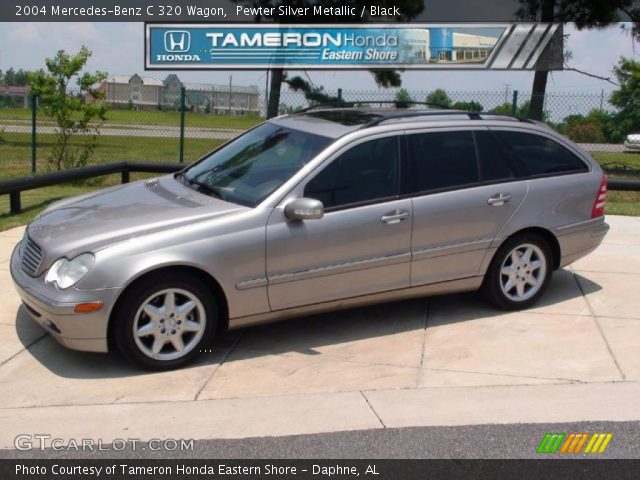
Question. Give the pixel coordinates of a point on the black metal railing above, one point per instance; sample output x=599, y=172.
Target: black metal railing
x=623, y=184
x=15, y=186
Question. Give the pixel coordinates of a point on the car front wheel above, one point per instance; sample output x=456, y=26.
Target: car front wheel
x=164, y=325
x=519, y=273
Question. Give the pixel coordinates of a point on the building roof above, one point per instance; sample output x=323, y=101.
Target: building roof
x=191, y=86
x=13, y=90
x=126, y=79
x=208, y=87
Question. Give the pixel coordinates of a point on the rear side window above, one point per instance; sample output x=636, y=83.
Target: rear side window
x=495, y=164
x=540, y=155
x=440, y=160
x=365, y=173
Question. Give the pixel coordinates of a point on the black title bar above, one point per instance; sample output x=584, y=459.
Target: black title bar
x=318, y=469
x=275, y=11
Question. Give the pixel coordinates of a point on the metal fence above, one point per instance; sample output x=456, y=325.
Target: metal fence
x=184, y=124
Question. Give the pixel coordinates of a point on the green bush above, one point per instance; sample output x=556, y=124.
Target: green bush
x=586, y=133
x=606, y=123
x=469, y=106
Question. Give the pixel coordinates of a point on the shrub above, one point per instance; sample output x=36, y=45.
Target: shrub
x=468, y=106
x=586, y=133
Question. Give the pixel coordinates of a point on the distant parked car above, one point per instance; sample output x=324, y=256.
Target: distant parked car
x=311, y=212
x=632, y=141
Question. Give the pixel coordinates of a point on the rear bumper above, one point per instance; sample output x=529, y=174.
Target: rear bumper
x=53, y=309
x=578, y=240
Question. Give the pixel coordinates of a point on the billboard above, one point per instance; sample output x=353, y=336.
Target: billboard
x=349, y=46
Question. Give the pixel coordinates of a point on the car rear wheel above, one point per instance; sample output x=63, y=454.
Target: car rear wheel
x=519, y=273
x=164, y=325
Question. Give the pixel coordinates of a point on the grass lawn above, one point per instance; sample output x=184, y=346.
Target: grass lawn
x=15, y=152
x=618, y=160
x=147, y=117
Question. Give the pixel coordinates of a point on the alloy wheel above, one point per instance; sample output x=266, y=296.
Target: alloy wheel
x=523, y=272
x=169, y=324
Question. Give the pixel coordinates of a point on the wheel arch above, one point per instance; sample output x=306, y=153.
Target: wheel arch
x=206, y=277
x=549, y=237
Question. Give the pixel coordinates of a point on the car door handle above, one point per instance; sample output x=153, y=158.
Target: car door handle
x=396, y=216
x=499, y=199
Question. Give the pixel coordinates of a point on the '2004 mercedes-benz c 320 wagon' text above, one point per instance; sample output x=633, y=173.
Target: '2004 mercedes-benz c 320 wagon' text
x=318, y=210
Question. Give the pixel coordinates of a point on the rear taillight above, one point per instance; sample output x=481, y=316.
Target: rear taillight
x=601, y=199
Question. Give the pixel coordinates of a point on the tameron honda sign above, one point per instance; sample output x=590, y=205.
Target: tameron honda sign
x=409, y=46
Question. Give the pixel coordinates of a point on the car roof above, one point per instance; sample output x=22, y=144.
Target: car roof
x=336, y=122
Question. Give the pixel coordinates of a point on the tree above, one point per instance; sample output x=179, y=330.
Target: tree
x=627, y=97
x=315, y=95
x=403, y=98
x=385, y=78
x=468, y=106
x=73, y=112
x=597, y=125
x=585, y=14
x=439, y=97
x=13, y=78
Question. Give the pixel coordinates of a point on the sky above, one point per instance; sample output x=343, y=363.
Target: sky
x=118, y=49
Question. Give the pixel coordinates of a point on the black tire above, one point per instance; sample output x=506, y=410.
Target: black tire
x=491, y=288
x=124, y=319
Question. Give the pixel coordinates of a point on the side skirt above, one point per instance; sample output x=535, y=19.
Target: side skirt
x=453, y=286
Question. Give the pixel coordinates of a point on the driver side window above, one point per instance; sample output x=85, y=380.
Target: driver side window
x=365, y=173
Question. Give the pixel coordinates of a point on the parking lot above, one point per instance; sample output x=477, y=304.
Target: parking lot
x=447, y=360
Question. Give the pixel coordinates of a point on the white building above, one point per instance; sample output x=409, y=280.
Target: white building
x=151, y=93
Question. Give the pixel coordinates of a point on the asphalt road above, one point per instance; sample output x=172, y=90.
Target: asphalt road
x=164, y=131
x=161, y=131
x=479, y=441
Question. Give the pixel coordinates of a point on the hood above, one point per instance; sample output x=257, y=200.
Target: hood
x=97, y=220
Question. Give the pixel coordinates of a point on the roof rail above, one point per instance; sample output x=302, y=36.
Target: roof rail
x=446, y=110
x=470, y=114
x=397, y=103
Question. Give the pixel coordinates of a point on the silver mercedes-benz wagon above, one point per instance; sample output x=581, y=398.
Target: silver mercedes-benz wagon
x=314, y=211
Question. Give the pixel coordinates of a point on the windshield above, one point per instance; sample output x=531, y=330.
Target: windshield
x=248, y=169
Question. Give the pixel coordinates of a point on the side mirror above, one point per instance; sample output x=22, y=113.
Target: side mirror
x=304, y=209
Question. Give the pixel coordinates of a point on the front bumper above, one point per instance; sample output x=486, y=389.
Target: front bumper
x=53, y=309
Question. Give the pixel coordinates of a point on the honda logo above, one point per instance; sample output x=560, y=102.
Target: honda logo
x=177, y=41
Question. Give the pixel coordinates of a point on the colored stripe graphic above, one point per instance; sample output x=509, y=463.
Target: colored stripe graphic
x=572, y=443
x=598, y=443
x=550, y=442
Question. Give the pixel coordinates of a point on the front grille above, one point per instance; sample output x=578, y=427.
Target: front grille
x=31, y=256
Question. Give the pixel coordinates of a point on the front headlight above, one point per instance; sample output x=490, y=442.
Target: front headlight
x=65, y=273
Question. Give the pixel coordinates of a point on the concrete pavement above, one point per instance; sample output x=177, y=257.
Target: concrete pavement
x=447, y=360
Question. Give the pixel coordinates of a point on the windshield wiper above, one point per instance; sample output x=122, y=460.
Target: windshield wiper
x=204, y=188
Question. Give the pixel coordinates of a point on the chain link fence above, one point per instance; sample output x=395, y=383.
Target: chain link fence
x=167, y=121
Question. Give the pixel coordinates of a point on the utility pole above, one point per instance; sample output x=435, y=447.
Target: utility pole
x=230, y=93
x=266, y=94
x=506, y=92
